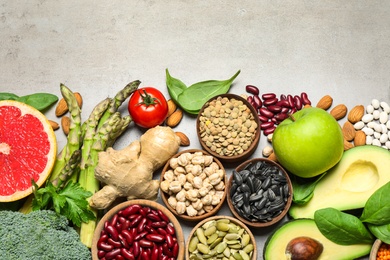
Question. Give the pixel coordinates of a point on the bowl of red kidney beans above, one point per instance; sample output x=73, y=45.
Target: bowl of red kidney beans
x=138, y=229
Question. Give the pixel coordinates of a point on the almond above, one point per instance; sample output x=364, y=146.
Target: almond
x=65, y=124
x=272, y=157
x=347, y=145
x=349, y=131
x=360, y=138
x=174, y=119
x=184, y=140
x=171, y=107
x=54, y=125
x=356, y=114
x=325, y=102
x=62, y=107
x=339, y=111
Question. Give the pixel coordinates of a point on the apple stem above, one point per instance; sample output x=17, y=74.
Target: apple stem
x=291, y=117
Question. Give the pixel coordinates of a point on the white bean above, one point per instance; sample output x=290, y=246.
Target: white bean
x=359, y=125
x=384, y=128
x=388, y=124
x=375, y=103
x=369, y=109
x=376, y=114
x=383, y=138
x=385, y=107
x=383, y=117
x=376, y=142
x=387, y=144
x=368, y=118
x=377, y=135
x=369, y=139
x=368, y=131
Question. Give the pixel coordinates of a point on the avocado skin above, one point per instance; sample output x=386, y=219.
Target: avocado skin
x=348, y=185
x=276, y=243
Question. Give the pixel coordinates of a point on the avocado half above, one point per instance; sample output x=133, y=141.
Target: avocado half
x=276, y=244
x=349, y=184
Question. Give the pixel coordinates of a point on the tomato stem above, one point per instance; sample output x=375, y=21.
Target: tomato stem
x=147, y=99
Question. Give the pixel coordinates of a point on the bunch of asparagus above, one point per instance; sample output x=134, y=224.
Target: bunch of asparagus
x=72, y=180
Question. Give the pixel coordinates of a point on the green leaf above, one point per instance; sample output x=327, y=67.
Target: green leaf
x=8, y=96
x=175, y=86
x=303, y=188
x=195, y=96
x=40, y=101
x=341, y=228
x=377, y=208
x=381, y=232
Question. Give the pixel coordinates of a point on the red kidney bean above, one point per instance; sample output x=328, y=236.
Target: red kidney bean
x=283, y=103
x=166, y=250
x=285, y=110
x=274, y=108
x=128, y=236
x=163, y=216
x=131, y=210
x=281, y=116
x=266, y=125
x=127, y=254
x=283, y=97
x=252, y=89
x=145, y=255
x=265, y=112
x=116, y=244
x=146, y=243
x=141, y=235
x=112, y=232
x=161, y=231
x=101, y=253
x=104, y=246
x=257, y=103
x=269, y=130
x=144, y=211
x=150, y=229
x=273, y=120
x=268, y=96
x=249, y=99
x=136, y=221
x=136, y=249
x=293, y=110
x=297, y=102
x=113, y=220
x=159, y=224
x=123, y=241
x=271, y=101
x=155, y=237
x=169, y=240
x=165, y=257
x=103, y=238
x=175, y=250
x=170, y=229
x=126, y=224
x=153, y=217
x=155, y=253
x=263, y=118
x=141, y=225
x=112, y=254
x=290, y=100
x=305, y=99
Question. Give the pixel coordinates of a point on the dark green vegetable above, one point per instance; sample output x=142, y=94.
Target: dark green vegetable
x=377, y=208
x=303, y=188
x=382, y=232
x=341, y=228
x=192, y=99
x=40, y=101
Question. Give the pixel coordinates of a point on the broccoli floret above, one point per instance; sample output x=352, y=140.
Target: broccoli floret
x=39, y=235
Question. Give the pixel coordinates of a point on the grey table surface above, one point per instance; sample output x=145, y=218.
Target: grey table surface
x=340, y=48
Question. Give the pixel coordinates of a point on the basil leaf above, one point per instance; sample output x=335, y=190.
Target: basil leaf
x=341, y=228
x=195, y=96
x=175, y=86
x=303, y=188
x=381, y=232
x=8, y=96
x=40, y=101
x=377, y=208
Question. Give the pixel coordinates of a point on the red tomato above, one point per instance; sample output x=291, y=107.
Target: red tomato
x=148, y=107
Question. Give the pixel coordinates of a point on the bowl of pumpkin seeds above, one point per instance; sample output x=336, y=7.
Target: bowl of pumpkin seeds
x=228, y=128
x=259, y=192
x=221, y=237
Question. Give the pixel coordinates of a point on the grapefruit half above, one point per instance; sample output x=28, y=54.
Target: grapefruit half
x=28, y=149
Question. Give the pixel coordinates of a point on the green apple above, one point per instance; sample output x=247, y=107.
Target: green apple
x=308, y=143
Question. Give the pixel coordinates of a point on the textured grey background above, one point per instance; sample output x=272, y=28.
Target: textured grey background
x=340, y=48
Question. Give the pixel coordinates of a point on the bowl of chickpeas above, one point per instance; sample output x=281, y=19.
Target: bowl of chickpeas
x=228, y=128
x=192, y=185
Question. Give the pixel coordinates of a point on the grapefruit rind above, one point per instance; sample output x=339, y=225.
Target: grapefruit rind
x=51, y=154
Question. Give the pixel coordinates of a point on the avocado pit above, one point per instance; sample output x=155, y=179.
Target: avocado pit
x=303, y=248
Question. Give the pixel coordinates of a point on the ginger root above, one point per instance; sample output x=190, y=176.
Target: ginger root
x=129, y=172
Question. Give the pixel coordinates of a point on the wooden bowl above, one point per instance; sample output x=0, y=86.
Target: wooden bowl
x=108, y=217
x=216, y=218
x=374, y=249
x=259, y=223
x=165, y=196
x=224, y=157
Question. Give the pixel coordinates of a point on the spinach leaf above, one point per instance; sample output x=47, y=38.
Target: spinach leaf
x=195, y=96
x=8, y=96
x=341, y=228
x=377, y=208
x=381, y=232
x=175, y=86
x=303, y=188
x=40, y=101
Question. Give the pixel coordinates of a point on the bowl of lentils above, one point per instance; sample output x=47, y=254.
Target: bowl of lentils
x=138, y=229
x=228, y=128
x=260, y=192
x=193, y=185
x=221, y=237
